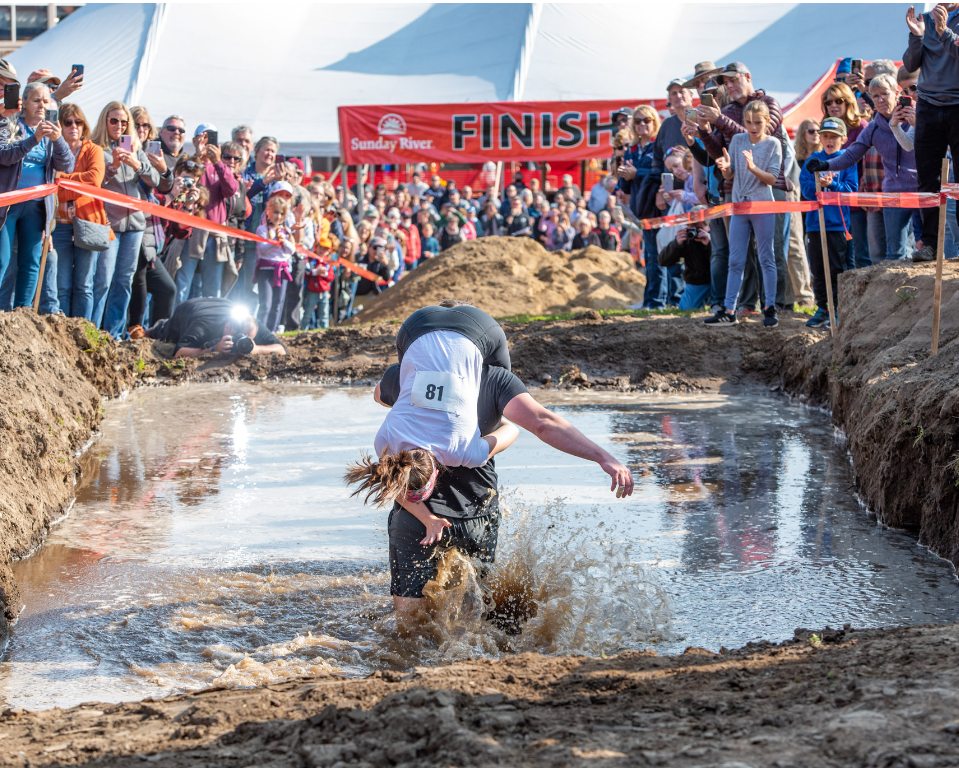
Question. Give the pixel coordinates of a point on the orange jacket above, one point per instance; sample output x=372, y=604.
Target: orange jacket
x=89, y=169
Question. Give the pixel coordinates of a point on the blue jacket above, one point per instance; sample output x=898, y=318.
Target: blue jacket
x=846, y=180
x=642, y=159
x=59, y=158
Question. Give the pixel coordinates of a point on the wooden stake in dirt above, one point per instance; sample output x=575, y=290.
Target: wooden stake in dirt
x=43, y=268
x=940, y=247
x=825, y=262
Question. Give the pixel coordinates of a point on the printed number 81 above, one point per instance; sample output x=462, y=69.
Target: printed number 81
x=433, y=391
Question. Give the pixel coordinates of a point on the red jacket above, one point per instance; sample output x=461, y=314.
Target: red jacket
x=320, y=282
x=413, y=247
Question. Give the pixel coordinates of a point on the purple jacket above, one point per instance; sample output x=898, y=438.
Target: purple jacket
x=898, y=164
x=222, y=185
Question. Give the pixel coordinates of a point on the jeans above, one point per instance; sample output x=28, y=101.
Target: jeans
x=311, y=301
x=75, y=270
x=718, y=260
x=763, y=225
x=26, y=222
x=49, y=297
x=114, y=281
x=695, y=296
x=898, y=226
x=655, y=295
x=838, y=248
x=293, y=303
x=211, y=273
x=876, y=231
x=857, y=255
x=780, y=244
x=151, y=278
x=937, y=128
x=272, y=298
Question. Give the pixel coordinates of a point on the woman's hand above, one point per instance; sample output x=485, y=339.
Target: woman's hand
x=907, y=115
x=69, y=86
x=748, y=157
x=434, y=529
x=689, y=133
x=157, y=162
x=723, y=163
x=626, y=170
x=213, y=153
x=269, y=175
x=916, y=24
x=130, y=159
x=48, y=130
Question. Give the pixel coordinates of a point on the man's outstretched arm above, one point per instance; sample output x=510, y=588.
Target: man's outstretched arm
x=555, y=431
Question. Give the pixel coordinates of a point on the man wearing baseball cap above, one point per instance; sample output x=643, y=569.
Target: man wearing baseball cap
x=663, y=285
x=832, y=135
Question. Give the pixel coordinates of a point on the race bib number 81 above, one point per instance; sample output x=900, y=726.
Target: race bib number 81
x=438, y=391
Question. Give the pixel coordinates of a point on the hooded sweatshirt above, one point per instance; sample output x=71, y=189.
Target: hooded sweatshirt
x=899, y=166
x=836, y=216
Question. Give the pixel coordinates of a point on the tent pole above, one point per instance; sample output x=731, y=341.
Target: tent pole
x=496, y=178
x=542, y=166
x=346, y=189
x=582, y=176
x=361, y=189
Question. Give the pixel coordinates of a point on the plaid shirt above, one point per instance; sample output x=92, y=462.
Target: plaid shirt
x=872, y=174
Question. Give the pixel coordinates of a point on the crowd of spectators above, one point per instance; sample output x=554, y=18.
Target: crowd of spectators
x=883, y=128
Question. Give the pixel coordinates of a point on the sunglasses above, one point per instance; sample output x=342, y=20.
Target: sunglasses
x=834, y=102
x=376, y=247
x=191, y=164
x=673, y=151
x=116, y=121
x=230, y=158
x=812, y=130
x=72, y=123
x=913, y=88
x=174, y=129
x=143, y=126
x=647, y=120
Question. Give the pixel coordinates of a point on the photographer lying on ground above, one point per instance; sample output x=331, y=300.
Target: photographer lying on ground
x=214, y=325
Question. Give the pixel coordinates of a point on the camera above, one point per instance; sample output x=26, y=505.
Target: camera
x=692, y=233
x=242, y=345
x=188, y=182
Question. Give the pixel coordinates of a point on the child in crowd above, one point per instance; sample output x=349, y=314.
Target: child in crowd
x=752, y=161
x=273, y=261
x=430, y=245
x=319, y=279
x=832, y=135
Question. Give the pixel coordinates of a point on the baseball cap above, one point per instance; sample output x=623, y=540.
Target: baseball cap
x=624, y=111
x=378, y=241
x=7, y=70
x=406, y=213
x=325, y=242
x=710, y=86
x=203, y=128
x=393, y=213
x=279, y=186
x=427, y=193
x=295, y=161
x=733, y=68
x=700, y=70
x=674, y=82
x=833, y=125
x=49, y=80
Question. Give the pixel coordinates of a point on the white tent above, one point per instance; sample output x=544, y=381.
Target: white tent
x=285, y=70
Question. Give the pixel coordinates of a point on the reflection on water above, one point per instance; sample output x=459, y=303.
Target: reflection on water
x=212, y=540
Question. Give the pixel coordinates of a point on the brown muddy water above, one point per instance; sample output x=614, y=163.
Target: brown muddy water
x=212, y=541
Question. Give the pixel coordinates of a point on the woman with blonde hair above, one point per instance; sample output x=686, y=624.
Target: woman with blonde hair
x=76, y=265
x=807, y=140
x=126, y=165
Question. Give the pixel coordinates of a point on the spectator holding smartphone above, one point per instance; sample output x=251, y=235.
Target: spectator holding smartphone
x=258, y=176
x=903, y=121
x=75, y=265
x=273, y=261
x=126, y=165
x=932, y=49
x=832, y=135
x=691, y=248
x=319, y=279
x=32, y=158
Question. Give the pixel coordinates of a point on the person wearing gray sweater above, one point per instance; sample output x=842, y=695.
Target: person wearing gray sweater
x=752, y=161
x=113, y=283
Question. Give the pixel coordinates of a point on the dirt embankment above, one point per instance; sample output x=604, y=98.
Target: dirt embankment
x=510, y=276
x=877, y=699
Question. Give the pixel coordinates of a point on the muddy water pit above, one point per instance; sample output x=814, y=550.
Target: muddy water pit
x=212, y=540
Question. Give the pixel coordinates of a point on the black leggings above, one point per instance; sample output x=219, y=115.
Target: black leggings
x=151, y=277
x=467, y=321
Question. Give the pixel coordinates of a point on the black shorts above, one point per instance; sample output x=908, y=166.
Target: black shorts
x=470, y=322
x=412, y=565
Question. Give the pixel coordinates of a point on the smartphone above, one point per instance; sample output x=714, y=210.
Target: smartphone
x=692, y=117
x=52, y=116
x=706, y=99
x=905, y=101
x=126, y=143
x=78, y=68
x=71, y=209
x=856, y=65
x=11, y=96
x=280, y=159
x=212, y=138
x=154, y=148
x=668, y=182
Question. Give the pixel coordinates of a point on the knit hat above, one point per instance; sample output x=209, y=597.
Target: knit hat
x=845, y=67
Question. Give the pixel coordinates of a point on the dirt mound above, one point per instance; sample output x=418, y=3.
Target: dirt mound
x=511, y=276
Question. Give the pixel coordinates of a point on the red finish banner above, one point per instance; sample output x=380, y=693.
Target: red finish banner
x=476, y=133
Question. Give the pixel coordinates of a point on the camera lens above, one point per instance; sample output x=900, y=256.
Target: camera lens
x=242, y=345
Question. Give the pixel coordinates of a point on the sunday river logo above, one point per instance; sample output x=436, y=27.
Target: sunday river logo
x=391, y=124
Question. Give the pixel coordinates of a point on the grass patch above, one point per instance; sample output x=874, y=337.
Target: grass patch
x=805, y=310
x=97, y=339
x=140, y=365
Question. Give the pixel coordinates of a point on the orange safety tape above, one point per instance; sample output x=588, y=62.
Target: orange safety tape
x=883, y=199
x=30, y=193
x=185, y=219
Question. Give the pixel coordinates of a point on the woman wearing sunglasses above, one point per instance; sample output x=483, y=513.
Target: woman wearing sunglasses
x=839, y=101
x=76, y=266
x=126, y=165
x=151, y=276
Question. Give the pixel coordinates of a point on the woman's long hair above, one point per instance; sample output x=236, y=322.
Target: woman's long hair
x=100, y=135
x=644, y=110
x=72, y=111
x=852, y=118
x=137, y=113
x=803, y=148
x=390, y=477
